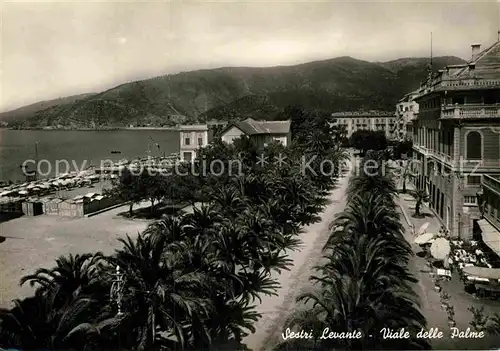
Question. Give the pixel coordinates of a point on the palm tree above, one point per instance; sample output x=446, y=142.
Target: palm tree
x=360, y=290
x=420, y=196
x=73, y=276
x=363, y=282
x=39, y=323
x=161, y=293
x=191, y=280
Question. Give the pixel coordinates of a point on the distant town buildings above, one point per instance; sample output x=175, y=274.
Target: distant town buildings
x=456, y=136
x=192, y=138
x=367, y=120
x=406, y=108
x=260, y=132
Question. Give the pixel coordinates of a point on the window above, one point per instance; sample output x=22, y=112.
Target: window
x=473, y=142
x=470, y=200
x=187, y=141
x=490, y=99
x=474, y=180
x=187, y=156
x=200, y=141
x=281, y=140
x=474, y=99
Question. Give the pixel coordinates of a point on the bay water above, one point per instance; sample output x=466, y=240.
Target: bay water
x=78, y=148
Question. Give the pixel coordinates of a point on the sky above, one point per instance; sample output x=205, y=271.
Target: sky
x=55, y=49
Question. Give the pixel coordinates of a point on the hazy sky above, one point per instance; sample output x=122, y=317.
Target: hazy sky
x=53, y=49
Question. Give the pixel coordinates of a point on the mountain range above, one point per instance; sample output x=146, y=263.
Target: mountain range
x=333, y=85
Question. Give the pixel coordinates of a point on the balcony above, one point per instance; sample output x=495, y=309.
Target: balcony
x=442, y=157
x=468, y=84
x=460, y=165
x=422, y=150
x=492, y=183
x=471, y=111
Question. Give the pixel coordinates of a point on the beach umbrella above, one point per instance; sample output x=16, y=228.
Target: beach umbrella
x=422, y=228
x=425, y=238
x=440, y=248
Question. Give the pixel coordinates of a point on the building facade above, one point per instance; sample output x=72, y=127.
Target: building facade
x=192, y=138
x=367, y=120
x=490, y=202
x=456, y=137
x=260, y=132
x=406, y=108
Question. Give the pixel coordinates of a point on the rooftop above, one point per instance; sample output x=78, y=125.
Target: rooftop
x=367, y=114
x=193, y=127
x=253, y=127
x=482, y=71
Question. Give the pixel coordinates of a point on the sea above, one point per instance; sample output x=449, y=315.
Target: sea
x=57, y=150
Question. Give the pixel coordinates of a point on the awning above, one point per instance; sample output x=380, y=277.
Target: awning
x=483, y=272
x=492, y=288
x=425, y=238
x=491, y=235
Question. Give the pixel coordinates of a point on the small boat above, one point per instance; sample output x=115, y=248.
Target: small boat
x=116, y=152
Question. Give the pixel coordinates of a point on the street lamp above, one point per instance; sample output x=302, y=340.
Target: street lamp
x=36, y=160
x=116, y=292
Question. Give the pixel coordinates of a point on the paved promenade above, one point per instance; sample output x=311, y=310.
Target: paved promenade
x=35, y=242
x=275, y=309
x=431, y=302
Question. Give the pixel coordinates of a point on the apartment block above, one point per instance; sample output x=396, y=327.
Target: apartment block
x=367, y=120
x=406, y=108
x=456, y=137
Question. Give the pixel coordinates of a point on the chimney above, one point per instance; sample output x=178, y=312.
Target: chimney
x=475, y=50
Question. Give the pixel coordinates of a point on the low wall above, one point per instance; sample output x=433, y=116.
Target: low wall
x=15, y=206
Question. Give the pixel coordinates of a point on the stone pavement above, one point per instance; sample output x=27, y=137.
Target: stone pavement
x=430, y=299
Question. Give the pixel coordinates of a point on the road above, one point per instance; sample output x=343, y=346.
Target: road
x=275, y=309
x=430, y=299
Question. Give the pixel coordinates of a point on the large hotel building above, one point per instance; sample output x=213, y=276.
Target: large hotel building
x=367, y=120
x=456, y=141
